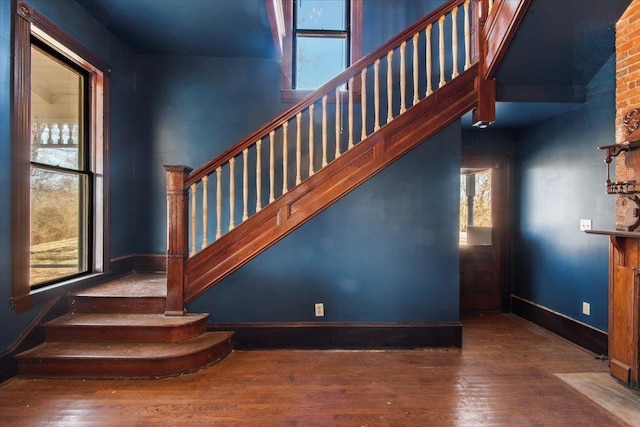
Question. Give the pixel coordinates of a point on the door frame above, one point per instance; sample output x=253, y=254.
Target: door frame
x=502, y=217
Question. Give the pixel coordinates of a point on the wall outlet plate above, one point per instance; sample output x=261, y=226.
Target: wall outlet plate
x=586, y=308
x=319, y=309
x=585, y=224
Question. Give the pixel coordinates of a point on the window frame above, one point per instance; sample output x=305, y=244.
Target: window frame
x=281, y=16
x=82, y=171
x=28, y=24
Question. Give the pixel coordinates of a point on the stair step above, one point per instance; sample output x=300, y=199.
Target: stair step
x=123, y=360
x=81, y=304
x=106, y=327
x=136, y=293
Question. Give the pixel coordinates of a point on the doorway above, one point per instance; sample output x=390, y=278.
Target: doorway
x=483, y=243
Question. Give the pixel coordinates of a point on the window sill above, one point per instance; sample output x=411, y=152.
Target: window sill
x=23, y=303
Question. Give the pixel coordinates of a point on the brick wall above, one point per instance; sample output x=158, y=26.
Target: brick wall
x=627, y=96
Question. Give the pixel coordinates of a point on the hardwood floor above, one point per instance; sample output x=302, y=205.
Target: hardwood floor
x=503, y=376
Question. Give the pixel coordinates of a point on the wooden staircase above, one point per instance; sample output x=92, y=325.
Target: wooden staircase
x=136, y=327
x=118, y=330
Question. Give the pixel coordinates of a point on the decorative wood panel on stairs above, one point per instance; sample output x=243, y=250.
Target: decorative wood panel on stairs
x=118, y=330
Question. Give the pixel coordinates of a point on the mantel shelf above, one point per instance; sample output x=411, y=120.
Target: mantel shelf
x=615, y=233
x=616, y=237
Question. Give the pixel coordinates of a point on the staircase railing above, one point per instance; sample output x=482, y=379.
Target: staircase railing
x=318, y=130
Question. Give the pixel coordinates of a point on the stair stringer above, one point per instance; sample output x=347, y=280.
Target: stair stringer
x=275, y=221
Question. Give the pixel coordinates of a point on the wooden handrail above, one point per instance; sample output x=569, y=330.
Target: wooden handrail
x=368, y=60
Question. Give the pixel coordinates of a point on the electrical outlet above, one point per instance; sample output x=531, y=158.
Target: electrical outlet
x=319, y=309
x=585, y=224
x=586, y=308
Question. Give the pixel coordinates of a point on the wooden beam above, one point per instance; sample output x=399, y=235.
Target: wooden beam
x=485, y=113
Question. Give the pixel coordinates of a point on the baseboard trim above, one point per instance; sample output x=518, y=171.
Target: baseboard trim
x=139, y=263
x=352, y=336
x=585, y=336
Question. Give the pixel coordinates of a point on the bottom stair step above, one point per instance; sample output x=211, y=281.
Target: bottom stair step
x=126, y=327
x=124, y=360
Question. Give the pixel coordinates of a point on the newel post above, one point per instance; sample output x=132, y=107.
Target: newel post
x=177, y=237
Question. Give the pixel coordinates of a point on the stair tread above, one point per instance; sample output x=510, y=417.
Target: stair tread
x=136, y=285
x=125, y=320
x=112, y=351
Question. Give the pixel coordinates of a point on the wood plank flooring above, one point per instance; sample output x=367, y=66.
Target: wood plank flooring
x=503, y=376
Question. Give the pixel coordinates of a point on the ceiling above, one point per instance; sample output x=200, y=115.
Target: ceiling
x=557, y=50
x=216, y=28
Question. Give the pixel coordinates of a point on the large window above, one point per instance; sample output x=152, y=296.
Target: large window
x=316, y=40
x=58, y=147
x=61, y=181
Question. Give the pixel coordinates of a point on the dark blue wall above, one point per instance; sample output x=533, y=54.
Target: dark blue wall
x=188, y=111
x=560, y=178
x=74, y=20
x=388, y=251
x=383, y=19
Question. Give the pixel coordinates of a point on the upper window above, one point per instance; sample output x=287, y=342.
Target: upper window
x=58, y=147
x=321, y=41
x=316, y=40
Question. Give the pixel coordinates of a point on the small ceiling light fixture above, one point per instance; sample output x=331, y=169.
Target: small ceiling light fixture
x=482, y=124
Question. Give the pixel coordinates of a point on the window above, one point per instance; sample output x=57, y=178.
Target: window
x=61, y=184
x=316, y=40
x=321, y=46
x=58, y=147
x=475, y=207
